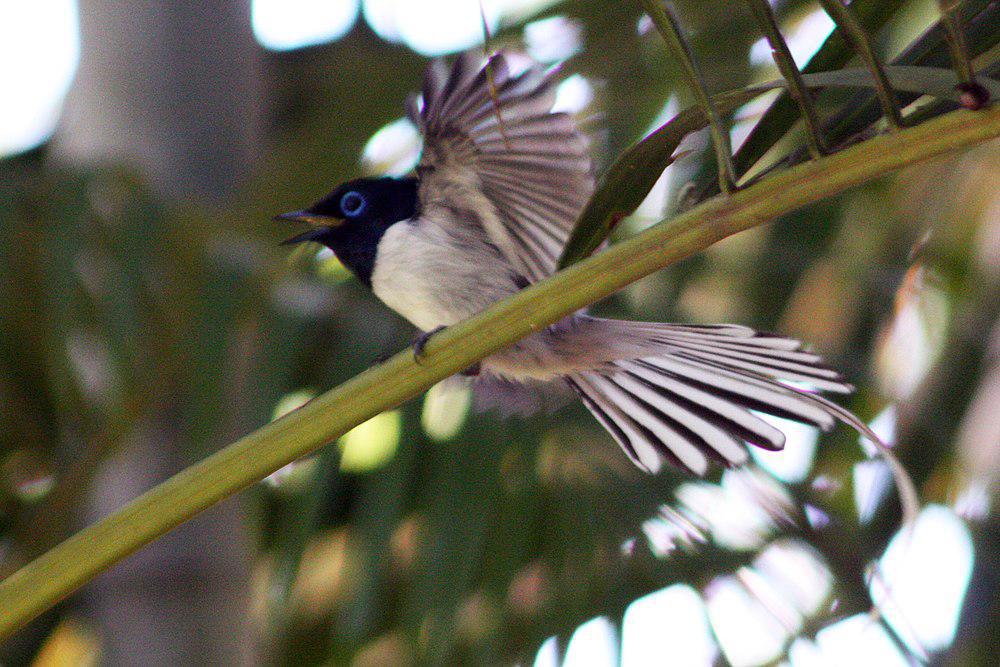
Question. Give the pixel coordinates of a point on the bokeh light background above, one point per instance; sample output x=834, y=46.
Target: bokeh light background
x=752, y=583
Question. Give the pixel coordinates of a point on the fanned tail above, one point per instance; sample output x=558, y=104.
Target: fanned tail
x=692, y=400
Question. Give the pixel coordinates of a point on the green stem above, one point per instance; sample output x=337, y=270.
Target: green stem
x=786, y=65
x=951, y=19
x=670, y=28
x=844, y=17
x=60, y=571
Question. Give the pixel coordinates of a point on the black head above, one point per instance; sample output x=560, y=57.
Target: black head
x=352, y=219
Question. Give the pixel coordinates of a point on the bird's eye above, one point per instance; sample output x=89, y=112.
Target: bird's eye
x=352, y=204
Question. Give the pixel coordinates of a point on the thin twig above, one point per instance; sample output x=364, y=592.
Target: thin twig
x=951, y=19
x=855, y=34
x=490, y=80
x=786, y=65
x=669, y=26
x=974, y=96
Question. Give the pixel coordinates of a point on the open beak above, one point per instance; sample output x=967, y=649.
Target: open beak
x=321, y=223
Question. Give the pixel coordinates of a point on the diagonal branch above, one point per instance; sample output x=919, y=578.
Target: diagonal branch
x=59, y=572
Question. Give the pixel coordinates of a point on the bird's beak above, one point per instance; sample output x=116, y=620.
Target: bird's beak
x=321, y=223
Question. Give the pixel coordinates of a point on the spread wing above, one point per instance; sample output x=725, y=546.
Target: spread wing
x=496, y=153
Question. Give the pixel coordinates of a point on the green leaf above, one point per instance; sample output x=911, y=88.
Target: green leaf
x=629, y=180
x=632, y=176
x=934, y=81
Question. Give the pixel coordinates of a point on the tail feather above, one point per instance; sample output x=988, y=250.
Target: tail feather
x=692, y=402
x=629, y=424
x=711, y=407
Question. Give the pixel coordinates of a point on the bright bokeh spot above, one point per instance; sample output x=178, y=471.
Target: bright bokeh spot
x=856, y=640
x=329, y=268
x=796, y=573
x=922, y=609
x=973, y=502
x=871, y=481
x=884, y=426
x=667, y=627
x=793, y=463
x=371, y=444
x=671, y=529
x=803, y=37
x=381, y=16
x=778, y=605
x=393, y=150
x=446, y=406
x=553, y=39
x=593, y=644
x=296, y=469
x=46, y=34
x=733, y=522
x=548, y=654
x=437, y=27
x=281, y=25
x=915, y=337
x=747, y=632
x=292, y=401
x=573, y=95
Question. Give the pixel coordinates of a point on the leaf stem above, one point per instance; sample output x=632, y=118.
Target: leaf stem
x=60, y=571
x=669, y=26
x=855, y=34
x=974, y=95
x=951, y=19
x=786, y=65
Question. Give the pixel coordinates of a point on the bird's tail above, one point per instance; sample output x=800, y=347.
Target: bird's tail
x=692, y=399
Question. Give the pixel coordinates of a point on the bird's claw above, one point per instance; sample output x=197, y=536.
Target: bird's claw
x=420, y=342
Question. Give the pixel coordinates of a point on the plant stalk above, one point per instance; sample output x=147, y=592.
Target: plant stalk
x=951, y=19
x=57, y=573
x=669, y=26
x=786, y=65
x=844, y=17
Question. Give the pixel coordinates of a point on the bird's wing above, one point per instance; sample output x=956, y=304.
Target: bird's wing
x=496, y=153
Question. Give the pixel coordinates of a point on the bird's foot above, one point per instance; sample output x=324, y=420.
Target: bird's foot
x=472, y=371
x=420, y=342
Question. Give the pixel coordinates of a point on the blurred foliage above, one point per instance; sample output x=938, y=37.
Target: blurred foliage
x=123, y=315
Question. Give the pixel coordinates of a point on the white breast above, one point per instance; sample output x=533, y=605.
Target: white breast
x=433, y=277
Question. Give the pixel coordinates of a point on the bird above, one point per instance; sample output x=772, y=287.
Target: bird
x=499, y=185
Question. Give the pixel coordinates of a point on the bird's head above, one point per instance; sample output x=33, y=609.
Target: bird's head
x=358, y=211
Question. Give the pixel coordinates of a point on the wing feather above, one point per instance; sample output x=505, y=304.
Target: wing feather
x=490, y=135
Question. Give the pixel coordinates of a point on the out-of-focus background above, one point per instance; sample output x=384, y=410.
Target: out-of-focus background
x=148, y=317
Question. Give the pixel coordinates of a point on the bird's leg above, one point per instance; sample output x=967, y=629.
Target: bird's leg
x=420, y=342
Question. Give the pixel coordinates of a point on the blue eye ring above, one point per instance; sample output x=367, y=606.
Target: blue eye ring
x=353, y=204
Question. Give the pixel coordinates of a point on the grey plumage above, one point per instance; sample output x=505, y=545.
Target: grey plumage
x=502, y=180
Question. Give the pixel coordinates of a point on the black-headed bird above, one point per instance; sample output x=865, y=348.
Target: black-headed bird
x=499, y=185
